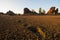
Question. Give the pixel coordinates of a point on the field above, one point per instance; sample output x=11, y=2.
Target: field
x=45, y=27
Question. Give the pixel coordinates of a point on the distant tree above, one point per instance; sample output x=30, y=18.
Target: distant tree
x=44, y=11
x=56, y=11
x=51, y=11
x=29, y=12
x=10, y=13
x=26, y=10
x=1, y=13
x=40, y=10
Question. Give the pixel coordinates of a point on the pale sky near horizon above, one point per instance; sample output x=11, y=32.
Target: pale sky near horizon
x=17, y=6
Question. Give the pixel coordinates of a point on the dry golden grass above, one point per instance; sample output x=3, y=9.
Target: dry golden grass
x=16, y=27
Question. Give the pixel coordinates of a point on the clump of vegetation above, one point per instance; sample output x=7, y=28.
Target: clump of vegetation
x=10, y=13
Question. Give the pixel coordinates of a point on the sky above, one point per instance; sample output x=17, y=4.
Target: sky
x=17, y=6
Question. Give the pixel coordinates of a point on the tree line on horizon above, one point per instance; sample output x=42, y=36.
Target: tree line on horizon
x=51, y=11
